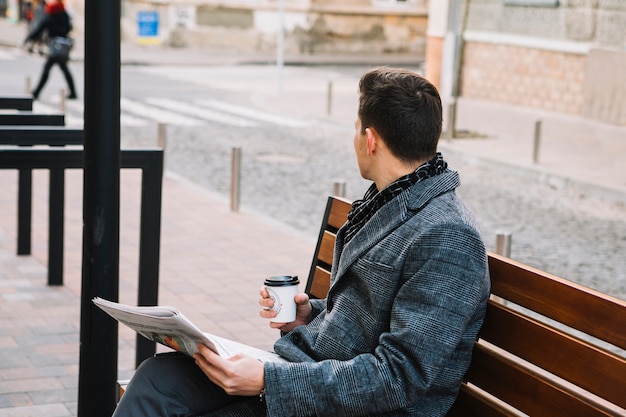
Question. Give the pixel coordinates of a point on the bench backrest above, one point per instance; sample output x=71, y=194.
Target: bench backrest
x=548, y=347
x=335, y=216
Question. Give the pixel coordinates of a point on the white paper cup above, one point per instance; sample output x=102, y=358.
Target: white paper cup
x=283, y=289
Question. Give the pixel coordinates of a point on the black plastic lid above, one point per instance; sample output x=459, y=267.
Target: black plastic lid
x=282, y=280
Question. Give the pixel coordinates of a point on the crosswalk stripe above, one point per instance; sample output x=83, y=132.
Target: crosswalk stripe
x=202, y=112
x=6, y=56
x=154, y=113
x=128, y=120
x=253, y=113
x=174, y=112
x=125, y=119
x=70, y=120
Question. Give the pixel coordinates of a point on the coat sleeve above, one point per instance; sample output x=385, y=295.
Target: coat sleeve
x=435, y=315
x=317, y=306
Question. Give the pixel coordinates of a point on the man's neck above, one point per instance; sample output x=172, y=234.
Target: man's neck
x=393, y=169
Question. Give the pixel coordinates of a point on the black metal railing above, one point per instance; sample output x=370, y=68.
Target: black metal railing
x=23, y=102
x=28, y=118
x=31, y=136
x=150, y=161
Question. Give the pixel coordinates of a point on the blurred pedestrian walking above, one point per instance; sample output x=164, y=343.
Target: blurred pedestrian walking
x=56, y=25
x=37, y=14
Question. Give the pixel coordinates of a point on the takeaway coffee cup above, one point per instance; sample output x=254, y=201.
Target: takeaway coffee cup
x=283, y=289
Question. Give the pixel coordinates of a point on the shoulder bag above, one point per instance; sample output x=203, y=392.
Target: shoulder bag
x=60, y=47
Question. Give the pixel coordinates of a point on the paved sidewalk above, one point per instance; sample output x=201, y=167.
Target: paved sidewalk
x=213, y=262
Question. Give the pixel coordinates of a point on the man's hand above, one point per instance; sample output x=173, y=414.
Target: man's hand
x=237, y=375
x=303, y=311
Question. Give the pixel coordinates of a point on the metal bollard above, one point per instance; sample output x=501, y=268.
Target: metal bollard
x=339, y=188
x=329, y=98
x=27, y=84
x=537, y=141
x=503, y=247
x=235, y=179
x=503, y=243
x=162, y=140
x=451, y=121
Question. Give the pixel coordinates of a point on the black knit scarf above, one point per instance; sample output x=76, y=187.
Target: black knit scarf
x=372, y=201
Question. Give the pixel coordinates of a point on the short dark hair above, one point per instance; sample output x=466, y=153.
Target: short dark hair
x=404, y=108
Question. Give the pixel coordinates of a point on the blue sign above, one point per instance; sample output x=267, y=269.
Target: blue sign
x=148, y=23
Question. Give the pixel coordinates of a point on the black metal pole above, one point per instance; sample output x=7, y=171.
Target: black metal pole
x=100, y=276
x=24, y=210
x=56, y=224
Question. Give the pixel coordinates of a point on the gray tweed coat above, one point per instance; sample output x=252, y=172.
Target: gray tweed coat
x=395, y=334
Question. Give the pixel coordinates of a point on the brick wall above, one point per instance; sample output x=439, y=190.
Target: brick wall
x=518, y=75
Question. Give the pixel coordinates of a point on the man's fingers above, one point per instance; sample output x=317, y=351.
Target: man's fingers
x=302, y=298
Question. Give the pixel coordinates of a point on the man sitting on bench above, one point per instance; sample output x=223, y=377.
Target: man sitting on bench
x=408, y=292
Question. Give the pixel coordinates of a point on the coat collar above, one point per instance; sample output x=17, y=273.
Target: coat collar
x=388, y=218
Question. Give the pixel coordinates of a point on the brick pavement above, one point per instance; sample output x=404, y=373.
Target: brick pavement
x=212, y=264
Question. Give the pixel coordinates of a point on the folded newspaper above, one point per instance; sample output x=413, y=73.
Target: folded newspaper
x=169, y=327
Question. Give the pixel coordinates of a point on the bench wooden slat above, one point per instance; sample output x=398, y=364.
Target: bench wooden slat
x=525, y=389
x=121, y=389
x=338, y=212
x=475, y=403
x=574, y=360
x=327, y=248
x=320, y=284
x=604, y=316
x=335, y=216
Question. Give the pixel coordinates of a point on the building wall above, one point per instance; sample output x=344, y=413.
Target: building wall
x=542, y=56
x=311, y=26
x=438, y=12
x=76, y=8
x=524, y=76
x=599, y=21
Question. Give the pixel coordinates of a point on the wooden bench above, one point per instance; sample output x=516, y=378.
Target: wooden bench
x=528, y=360
x=548, y=347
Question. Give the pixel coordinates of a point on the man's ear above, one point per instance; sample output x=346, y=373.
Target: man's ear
x=372, y=140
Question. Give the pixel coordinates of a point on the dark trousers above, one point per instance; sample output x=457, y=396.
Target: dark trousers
x=46, y=73
x=173, y=385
